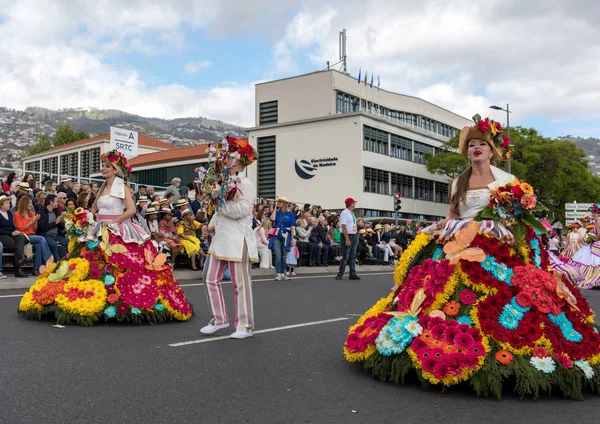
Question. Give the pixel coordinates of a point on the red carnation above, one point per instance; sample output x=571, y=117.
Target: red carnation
x=498, y=126
x=517, y=191
x=506, y=141
x=483, y=125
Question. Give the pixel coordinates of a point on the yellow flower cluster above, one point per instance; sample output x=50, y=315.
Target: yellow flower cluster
x=82, y=269
x=83, y=306
x=27, y=303
x=176, y=314
x=72, y=244
x=477, y=287
x=407, y=257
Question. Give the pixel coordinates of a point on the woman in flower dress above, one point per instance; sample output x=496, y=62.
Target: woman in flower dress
x=112, y=271
x=575, y=241
x=475, y=300
x=587, y=259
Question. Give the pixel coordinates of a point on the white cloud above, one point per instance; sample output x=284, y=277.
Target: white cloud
x=541, y=57
x=191, y=68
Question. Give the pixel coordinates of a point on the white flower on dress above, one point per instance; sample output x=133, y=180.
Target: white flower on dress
x=414, y=328
x=545, y=364
x=586, y=368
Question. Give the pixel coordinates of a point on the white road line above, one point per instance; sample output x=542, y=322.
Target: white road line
x=266, y=330
x=307, y=277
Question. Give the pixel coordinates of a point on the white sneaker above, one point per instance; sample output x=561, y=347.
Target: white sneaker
x=210, y=328
x=2, y=275
x=278, y=277
x=241, y=335
x=285, y=277
x=287, y=273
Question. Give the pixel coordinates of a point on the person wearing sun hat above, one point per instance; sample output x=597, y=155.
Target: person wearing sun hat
x=233, y=244
x=575, y=240
x=186, y=229
x=587, y=258
x=349, y=240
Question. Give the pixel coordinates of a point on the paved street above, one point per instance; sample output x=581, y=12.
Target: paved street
x=295, y=374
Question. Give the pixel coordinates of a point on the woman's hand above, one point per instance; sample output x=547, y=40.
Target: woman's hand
x=442, y=223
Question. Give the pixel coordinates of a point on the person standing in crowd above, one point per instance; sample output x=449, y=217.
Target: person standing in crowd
x=304, y=245
x=349, y=240
x=282, y=235
x=26, y=220
x=65, y=185
x=326, y=248
x=174, y=190
x=233, y=246
x=553, y=244
x=11, y=237
x=51, y=226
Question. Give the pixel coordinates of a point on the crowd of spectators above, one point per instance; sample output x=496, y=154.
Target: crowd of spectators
x=288, y=235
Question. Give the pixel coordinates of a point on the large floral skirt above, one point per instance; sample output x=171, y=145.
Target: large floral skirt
x=488, y=321
x=107, y=279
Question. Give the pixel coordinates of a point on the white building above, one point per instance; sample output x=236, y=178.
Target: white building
x=323, y=137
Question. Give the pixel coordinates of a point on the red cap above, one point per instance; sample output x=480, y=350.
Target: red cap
x=349, y=201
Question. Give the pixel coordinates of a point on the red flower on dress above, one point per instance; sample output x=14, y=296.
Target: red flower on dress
x=540, y=352
x=467, y=297
x=122, y=308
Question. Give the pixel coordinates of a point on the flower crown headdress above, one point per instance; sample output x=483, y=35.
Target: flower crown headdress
x=493, y=132
x=596, y=208
x=240, y=149
x=118, y=160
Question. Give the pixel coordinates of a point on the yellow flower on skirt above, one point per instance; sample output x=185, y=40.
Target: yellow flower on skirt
x=189, y=230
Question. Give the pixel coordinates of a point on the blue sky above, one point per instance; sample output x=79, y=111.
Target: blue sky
x=198, y=58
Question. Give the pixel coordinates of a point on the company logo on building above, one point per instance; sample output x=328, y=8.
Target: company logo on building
x=308, y=169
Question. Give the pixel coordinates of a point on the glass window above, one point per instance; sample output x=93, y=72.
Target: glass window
x=376, y=181
x=420, y=150
x=423, y=189
x=402, y=184
x=375, y=140
x=441, y=192
x=401, y=147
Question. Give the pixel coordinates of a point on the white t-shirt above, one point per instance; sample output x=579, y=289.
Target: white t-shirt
x=553, y=244
x=347, y=218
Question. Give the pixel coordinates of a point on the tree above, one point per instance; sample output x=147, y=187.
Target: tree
x=447, y=162
x=64, y=134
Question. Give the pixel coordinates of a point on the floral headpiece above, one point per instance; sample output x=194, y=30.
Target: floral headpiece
x=245, y=152
x=118, y=160
x=596, y=208
x=489, y=130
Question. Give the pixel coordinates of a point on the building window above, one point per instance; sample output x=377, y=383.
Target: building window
x=266, y=167
x=69, y=165
x=95, y=153
x=33, y=166
x=441, y=192
x=401, y=147
x=420, y=150
x=346, y=103
x=372, y=213
x=268, y=113
x=375, y=140
x=376, y=181
x=85, y=163
x=402, y=184
x=423, y=189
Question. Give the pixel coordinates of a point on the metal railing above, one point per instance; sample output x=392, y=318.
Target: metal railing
x=56, y=177
x=396, y=121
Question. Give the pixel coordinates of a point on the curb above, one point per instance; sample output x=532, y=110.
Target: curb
x=11, y=283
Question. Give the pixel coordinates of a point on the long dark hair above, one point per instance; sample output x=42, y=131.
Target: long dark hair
x=462, y=186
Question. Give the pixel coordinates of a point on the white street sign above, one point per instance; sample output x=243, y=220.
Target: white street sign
x=576, y=215
x=570, y=221
x=578, y=206
x=124, y=141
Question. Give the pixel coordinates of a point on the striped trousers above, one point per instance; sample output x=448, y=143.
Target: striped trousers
x=241, y=279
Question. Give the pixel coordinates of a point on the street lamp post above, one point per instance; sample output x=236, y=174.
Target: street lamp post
x=507, y=110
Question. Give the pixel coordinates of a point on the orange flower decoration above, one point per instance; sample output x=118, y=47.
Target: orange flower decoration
x=504, y=357
x=452, y=308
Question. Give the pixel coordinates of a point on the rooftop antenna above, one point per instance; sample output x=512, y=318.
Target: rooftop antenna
x=342, y=50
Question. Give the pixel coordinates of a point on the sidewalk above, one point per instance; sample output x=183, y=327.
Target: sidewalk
x=10, y=282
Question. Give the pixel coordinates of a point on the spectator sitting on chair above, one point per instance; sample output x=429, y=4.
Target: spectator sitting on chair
x=73, y=192
x=196, y=205
x=62, y=202
x=363, y=250
x=65, y=184
x=51, y=226
x=11, y=237
x=141, y=192
x=383, y=244
x=327, y=250
x=25, y=220
x=304, y=244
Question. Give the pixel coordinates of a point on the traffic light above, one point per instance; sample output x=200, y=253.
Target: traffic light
x=397, y=202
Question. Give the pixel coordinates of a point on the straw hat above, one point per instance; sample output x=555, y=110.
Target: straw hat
x=151, y=211
x=370, y=230
x=166, y=211
x=24, y=186
x=574, y=225
x=154, y=205
x=185, y=212
x=283, y=199
x=363, y=231
x=181, y=202
x=3, y=198
x=379, y=227
x=65, y=179
x=142, y=199
x=164, y=201
x=489, y=131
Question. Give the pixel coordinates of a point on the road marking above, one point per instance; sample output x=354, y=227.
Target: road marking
x=266, y=330
x=307, y=277
x=354, y=315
